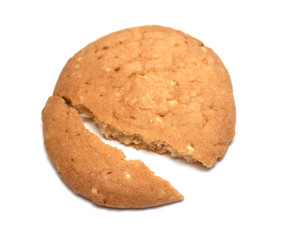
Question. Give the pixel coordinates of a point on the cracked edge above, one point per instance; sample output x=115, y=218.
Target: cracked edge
x=135, y=140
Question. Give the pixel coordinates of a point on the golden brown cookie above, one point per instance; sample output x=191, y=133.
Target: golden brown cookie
x=155, y=88
x=96, y=170
x=150, y=87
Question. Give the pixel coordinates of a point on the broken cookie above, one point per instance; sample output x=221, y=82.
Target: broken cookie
x=151, y=87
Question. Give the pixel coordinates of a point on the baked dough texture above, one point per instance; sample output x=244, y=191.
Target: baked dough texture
x=151, y=87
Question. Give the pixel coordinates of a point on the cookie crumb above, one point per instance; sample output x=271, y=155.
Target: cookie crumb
x=190, y=148
x=172, y=103
x=94, y=191
x=127, y=175
x=158, y=119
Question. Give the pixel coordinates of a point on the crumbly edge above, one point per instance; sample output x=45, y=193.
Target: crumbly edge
x=134, y=140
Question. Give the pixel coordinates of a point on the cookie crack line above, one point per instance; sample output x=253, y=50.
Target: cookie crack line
x=96, y=170
x=135, y=140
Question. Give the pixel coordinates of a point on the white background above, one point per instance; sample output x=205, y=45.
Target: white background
x=242, y=197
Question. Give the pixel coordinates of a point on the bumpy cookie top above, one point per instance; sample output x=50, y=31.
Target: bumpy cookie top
x=156, y=83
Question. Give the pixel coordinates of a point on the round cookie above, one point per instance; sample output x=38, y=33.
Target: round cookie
x=155, y=88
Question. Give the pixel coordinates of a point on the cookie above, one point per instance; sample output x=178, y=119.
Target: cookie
x=150, y=87
x=154, y=88
x=96, y=170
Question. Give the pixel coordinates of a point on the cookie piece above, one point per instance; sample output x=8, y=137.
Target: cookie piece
x=96, y=170
x=155, y=88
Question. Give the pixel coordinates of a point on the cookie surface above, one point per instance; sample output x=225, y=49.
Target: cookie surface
x=156, y=88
